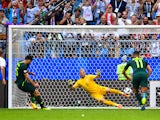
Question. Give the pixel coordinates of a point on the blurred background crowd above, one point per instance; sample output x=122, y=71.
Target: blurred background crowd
x=82, y=12
x=79, y=12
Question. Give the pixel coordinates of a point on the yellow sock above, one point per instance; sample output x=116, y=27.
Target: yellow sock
x=108, y=102
x=116, y=91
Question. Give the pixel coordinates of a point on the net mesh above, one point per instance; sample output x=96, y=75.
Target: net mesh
x=59, y=53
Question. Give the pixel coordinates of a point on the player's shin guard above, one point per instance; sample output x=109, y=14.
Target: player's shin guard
x=116, y=91
x=138, y=96
x=39, y=100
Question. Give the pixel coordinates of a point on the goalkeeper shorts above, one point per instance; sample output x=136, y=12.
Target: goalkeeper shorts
x=101, y=91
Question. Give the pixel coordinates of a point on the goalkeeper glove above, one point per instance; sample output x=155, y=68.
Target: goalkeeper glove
x=98, y=73
x=70, y=82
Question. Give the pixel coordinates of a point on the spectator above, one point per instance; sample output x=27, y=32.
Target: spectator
x=110, y=16
x=135, y=20
x=133, y=8
x=87, y=10
x=124, y=20
x=103, y=20
x=67, y=8
x=104, y=51
x=147, y=9
x=66, y=19
x=156, y=7
x=3, y=21
x=145, y=21
x=5, y=3
x=36, y=43
x=14, y=21
x=14, y=11
x=29, y=13
x=100, y=8
x=107, y=2
x=40, y=10
x=155, y=47
x=118, y=6
x=77, y=21
x=77, y=14
x=83, y=21
x=157, y=21
x=103, y=4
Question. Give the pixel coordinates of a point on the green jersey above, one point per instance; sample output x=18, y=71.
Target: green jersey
x=21, y=69
x=137, y=64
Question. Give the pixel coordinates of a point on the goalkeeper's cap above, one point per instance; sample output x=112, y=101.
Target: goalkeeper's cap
x=29, y=57
x=124, y=58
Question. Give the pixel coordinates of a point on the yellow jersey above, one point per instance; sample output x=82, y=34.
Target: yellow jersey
x=88, y=84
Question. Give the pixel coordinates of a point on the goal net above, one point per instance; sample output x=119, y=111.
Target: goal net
x=60, y=51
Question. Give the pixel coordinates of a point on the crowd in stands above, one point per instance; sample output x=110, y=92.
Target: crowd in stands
x=80, y=12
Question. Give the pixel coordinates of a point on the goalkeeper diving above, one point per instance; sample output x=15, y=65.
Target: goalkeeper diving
x=96, y=91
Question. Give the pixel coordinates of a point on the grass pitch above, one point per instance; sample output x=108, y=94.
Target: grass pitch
x=58, y=114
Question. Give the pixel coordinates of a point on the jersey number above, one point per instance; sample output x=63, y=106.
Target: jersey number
x=139, y=63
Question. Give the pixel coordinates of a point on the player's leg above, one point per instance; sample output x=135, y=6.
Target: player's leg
x=136, y=83
x=37, y=97
x=137, y=94
x=110, y=103
x=144, y=88
x=100, y=98
x=33, y=100
x=27, y=87
x=115, y=91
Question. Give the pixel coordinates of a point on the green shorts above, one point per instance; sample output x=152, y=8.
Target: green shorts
x=140, y=79
x=26, y=87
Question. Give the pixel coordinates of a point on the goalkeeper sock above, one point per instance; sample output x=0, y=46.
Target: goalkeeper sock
x=116, y=91
x=138, y=96
x=108, y=102
x=39, y=101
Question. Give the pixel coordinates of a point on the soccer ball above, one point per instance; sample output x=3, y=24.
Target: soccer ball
x=128, y=90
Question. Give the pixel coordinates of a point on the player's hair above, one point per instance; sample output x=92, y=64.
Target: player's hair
x=1, y=52
x=136, y=53
x=29, y=57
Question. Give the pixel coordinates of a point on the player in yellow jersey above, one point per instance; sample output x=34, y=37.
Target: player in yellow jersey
x=96, y=91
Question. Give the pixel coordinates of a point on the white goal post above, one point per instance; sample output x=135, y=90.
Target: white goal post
x=60, y=51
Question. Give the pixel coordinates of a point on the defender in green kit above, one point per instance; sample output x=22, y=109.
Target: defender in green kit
x=139, y=78
x=26, y=84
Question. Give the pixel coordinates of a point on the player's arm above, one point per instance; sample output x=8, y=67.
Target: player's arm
x=98, y=74
x=3, y=66
x=30, y=80
x=124, y=72
x=26, y=75
x=3, y=75
x=31, y=73
x=73, y=85
x=149, y=69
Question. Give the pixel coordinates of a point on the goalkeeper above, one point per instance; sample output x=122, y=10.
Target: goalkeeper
x=25, y=83
x=96, y=91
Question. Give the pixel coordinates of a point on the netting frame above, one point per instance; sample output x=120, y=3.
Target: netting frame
x=10, y=30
